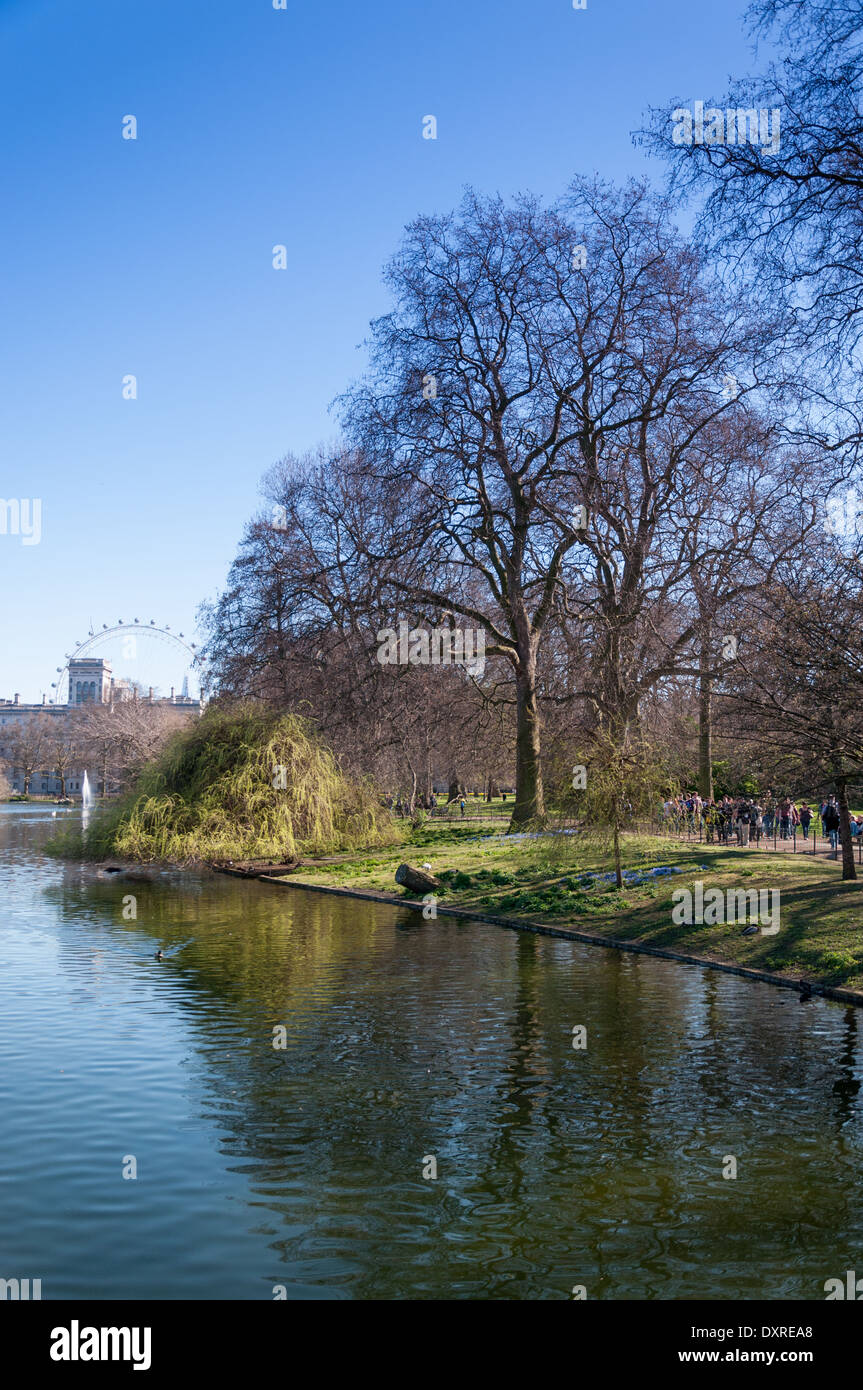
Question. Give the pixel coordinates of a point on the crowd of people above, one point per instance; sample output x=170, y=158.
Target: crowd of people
x=746, y=820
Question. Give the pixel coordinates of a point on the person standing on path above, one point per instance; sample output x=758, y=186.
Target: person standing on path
x=805, y=818
x=830, y=821
x=756, y=821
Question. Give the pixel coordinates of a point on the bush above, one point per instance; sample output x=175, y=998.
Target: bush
x=461, y=880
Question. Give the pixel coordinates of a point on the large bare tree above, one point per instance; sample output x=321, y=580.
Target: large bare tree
x=776, y=166
x=536, y=400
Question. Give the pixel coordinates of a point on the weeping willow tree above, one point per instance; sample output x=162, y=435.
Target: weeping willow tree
x=241, y=783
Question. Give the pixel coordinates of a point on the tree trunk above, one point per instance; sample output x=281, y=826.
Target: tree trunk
x=529, y=800
x=705, y=726
x=617, y=868
x=848, y=869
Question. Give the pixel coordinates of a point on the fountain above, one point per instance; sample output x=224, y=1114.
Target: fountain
x=86, y=801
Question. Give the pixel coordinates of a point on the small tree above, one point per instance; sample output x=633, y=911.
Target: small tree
x=63, y=750
x=29, y=747
x=617, y=781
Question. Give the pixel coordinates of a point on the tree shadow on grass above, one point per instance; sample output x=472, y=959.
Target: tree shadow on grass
x=818, y=933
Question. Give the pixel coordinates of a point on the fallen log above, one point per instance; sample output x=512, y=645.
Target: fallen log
x=416, y=880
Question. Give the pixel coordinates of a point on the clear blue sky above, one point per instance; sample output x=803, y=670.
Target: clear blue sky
x=154, y=256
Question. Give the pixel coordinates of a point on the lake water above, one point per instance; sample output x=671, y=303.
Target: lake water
x=302, y=1168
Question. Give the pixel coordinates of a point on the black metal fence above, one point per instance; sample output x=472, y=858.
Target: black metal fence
x=693, y=829
x=725, y=833
x=451, y=811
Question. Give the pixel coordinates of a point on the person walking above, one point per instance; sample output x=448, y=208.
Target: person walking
x=784, y=818
x=726, y=819
x=830, y=821
x=805, y=818
x=462, y=805
x=755, y=822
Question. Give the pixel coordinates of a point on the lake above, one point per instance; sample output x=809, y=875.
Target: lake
x=410, y=1046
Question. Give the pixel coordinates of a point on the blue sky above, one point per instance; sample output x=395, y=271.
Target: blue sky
x=153, y=257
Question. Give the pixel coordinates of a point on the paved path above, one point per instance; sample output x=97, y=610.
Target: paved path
x=818, y=848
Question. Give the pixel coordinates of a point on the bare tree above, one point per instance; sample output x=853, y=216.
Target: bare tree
x=298, y=626
x=536, y=399
x=777, y=165
x=116, y=740
x=63, y=748
x=798, y=678
x=29, y=748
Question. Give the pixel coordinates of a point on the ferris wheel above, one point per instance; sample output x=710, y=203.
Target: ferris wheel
x=129, y=633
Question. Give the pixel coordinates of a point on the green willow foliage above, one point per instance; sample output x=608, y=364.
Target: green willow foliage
x=210, y=796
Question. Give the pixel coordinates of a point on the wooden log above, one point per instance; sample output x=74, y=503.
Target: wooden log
x=417, y=880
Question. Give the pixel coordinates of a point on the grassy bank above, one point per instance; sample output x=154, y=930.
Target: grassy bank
x=820, y=936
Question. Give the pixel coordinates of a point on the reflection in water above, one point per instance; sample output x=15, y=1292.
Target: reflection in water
x=846, y=1086
x=302, y=1166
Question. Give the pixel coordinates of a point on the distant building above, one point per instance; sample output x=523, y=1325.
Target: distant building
x=91, y=682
